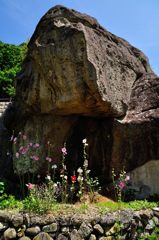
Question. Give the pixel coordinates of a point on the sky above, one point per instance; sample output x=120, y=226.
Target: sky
x=137, y=21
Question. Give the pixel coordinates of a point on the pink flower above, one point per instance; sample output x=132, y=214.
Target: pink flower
x=29, y=186
x=30, y=144
x=64, y=151
x=35, y=158
x=48, y=159
x=23, y=150
x=36, y=145
x=17, y=155
x=121, y=185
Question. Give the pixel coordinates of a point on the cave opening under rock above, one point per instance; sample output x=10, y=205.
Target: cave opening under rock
x=97, y=131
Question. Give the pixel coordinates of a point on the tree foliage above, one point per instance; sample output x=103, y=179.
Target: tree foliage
x=11, y=57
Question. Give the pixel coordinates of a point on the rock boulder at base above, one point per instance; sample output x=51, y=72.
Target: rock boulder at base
x=80, y=81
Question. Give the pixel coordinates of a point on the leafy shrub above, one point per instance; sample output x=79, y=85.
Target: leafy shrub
x=11, y=57
x=10, y=202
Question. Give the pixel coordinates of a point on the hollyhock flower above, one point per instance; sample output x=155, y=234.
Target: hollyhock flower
x=54, y=166
x=121, y=185
x=36, y=145
x=14, y=140
x=127, y=178
x=73, y=179
x=30, y=144
x=23, y=150
x=29, y=186
x=80, y=170
x=48, y=178
x=85, y=163
x=64, y=151
x=12, y=137
x=17, y=155
x=35, y=158
x=80, y=179
x=48, y=159
x=84, y=140
x=20, y=133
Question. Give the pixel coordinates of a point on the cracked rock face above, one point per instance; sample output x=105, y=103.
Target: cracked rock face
x=74, y=66
x=80, y=81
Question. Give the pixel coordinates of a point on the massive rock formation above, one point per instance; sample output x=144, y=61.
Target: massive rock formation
x=80, y=81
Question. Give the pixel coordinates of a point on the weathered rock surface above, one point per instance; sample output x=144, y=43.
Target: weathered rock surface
x=80, y=81
x=10, y=233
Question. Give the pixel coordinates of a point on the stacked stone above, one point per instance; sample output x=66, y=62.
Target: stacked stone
x=126, y=223
x=3, y=107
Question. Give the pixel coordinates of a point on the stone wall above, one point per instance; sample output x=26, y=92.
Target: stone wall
x=126, y=223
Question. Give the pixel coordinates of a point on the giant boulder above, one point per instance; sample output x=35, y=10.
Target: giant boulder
x=81, y=81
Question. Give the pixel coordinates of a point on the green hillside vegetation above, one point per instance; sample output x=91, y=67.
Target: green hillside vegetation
x=11, y=57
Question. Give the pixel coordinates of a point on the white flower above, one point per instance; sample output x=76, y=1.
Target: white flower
x=80, y=179
x=84, y=141
x=55, y=185
x=54, y=166
x=127, y=178
x=48, y=178
x=88, y=171
x=85, y=163
x=80, y=170
x=65, y=177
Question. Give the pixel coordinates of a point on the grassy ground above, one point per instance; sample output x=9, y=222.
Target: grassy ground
x=78, y=208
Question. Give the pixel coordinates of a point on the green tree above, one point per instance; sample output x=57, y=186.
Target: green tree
x=11, y=57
